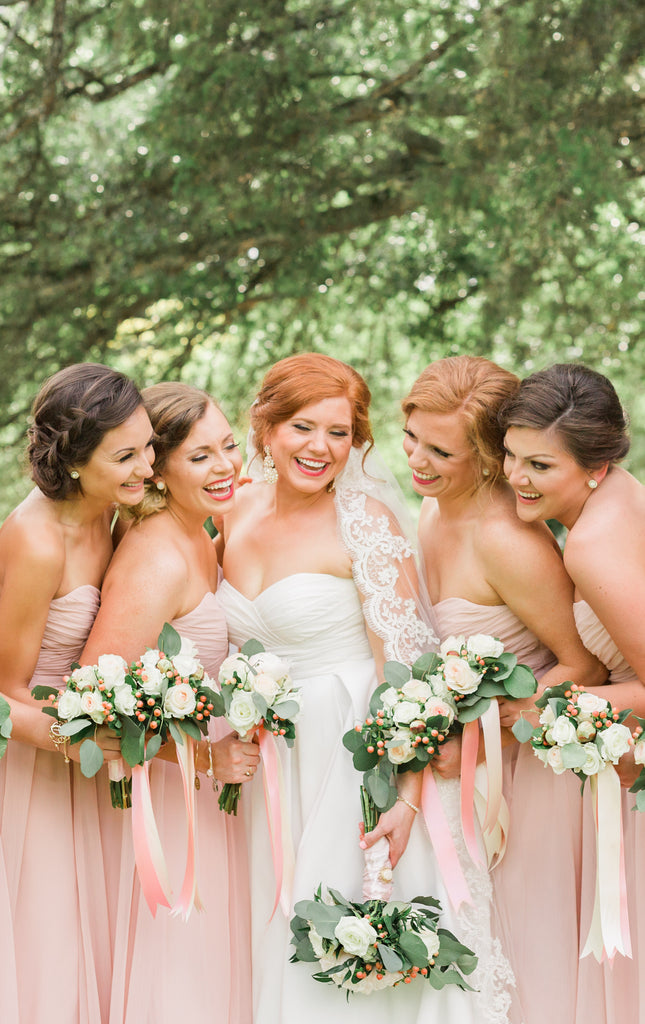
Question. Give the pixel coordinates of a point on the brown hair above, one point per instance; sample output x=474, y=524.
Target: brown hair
x=304, y=379
x=476, y=388
x=580, y=405
x=173, y=408
x=71, y=415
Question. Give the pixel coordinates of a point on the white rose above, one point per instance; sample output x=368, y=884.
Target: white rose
x=84, y=677
x=639, y=751
x=436, y=706
x=548, y=716
x=187, y=663
x=389, y=698
x=316, y=941
x=92, y=705
x=563, y=731
x=594, y=762
x=430, y=940
x=452, y=645
x=542, y=753
x=459, y=676
x=125, y=701
x=242, y=713
x=179, y=701
x=588, y=704
x=355, y=934
x=585, y=731
x=290, y=695
x=266, y=686
x=439, y=687
x=113, y=669
x=270, y=664
x=483, y=646
x=69, y=705
x=399, y=747
x=405, y=712
x=554, y=760
x=151, y=677
x=233, y=668
x=416, y=689
x=614, y=742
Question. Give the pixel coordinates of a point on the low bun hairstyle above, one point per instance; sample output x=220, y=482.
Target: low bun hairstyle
x=304, y=379
x=580, y=405
x=476, y=388
x=71, y=415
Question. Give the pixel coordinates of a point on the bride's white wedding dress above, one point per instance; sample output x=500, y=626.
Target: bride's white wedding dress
x=316, y=623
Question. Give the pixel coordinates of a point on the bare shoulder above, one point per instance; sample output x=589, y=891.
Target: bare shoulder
x=502, y=538
x=32, y=539
x=149, y=549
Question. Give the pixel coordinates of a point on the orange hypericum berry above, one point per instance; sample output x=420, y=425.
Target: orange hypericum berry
x=379, y=977
x=380, y=743
x=369, y=721
x=154, y=725
x=157, y=712
x=370, y=750
x=150, y=702
x=141, y=717
x=360, y=975
x=407, y=980
x=431, y=750
x=424, y=971
x=199, y=716
x=425, y=739
x=441, y=738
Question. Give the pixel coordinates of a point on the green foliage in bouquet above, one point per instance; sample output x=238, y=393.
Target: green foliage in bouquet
x=5, y=725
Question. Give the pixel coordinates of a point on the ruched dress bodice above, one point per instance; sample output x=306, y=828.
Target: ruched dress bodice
x=66, y=631
x=597, y=640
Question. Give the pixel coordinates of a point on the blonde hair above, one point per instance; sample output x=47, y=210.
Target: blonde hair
x=476, y=388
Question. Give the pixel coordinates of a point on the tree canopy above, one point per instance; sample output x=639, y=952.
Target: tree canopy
x=195, y=190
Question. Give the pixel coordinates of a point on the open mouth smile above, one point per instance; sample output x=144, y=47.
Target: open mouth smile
x=311, y=467
x=221, y=490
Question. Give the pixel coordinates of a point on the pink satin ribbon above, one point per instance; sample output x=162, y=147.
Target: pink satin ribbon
x=274, y=803
x=609, y=929
x=493, y=748
x=148, y=854
x=189, y=895
x=442, y=842
x=469, y=749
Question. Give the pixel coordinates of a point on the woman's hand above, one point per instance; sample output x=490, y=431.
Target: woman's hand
x=234, y=760
x=395, y=825
x=628, y=770
x=448, y=764
x=511, y=710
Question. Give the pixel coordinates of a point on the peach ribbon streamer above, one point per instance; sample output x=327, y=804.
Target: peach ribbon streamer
x=442, y=842
x=469, y=748
x=609, y=929
x=148, y=853
x=493, y=748
x=279, y=831
x=189, y=895
x=495, y=839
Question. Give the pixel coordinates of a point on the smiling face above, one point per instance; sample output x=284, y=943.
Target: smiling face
x=201, y=473
x=547, y=481
x=441, y=460
x=118, y=466
x=311, y=448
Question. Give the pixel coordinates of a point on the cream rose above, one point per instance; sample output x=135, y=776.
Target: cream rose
x=480, y=645
x=439, y=687
x=355, y=934
x=585, y=731
x=548, y=716
x=416, y=689
x=125, y=701
x=614, y=742
x=92, y=705
x=113, y=669
x=69, y=705
x=270, y=664
x=234, y=668
x=563, y=731
x=554, y=760
x=436, y=706
x=84, y=677
x=594, y=762
x=588, y=704
x=459, y=676
x=639, y=751
x=399, y=747
x=266, y=686
x=452, y=645
x=243, y=713
x=405, y=712
x=179, y=701
x=389, y=698
x=187, y=663
x=151, y=678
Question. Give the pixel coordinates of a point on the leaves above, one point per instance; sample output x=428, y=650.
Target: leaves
x=91, y=758
x=169, y=641
x=521, y=683
x=396, y=674
x=252, y=647
x=522, y=730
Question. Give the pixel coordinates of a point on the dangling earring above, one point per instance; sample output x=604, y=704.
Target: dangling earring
x=268, y=465
x=74, y=474
x=592, y=484
x=331, y=486
x=160, y=485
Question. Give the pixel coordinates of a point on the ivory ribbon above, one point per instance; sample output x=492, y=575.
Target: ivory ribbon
x=493, y=748
x=377, y=871
x=609, y=930
x=281, y=847
x=189, y=895
x=148, y=854
x=442, y=842
x=469, y=748
x=496, y=838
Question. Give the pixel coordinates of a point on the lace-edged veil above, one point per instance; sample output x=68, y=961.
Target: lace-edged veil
x=379, y=534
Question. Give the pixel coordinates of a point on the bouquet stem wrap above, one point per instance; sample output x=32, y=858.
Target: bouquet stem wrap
x=609, y=930
x=442, y=842
x=377, y=872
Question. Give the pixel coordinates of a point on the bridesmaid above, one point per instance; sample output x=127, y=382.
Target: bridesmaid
x=90, y=449
x=166, y=570
x=565, y=434
x=490, y=573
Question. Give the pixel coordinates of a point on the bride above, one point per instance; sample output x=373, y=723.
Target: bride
x=319, y=570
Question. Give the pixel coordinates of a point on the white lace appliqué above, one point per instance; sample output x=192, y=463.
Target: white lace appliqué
x=383, y=568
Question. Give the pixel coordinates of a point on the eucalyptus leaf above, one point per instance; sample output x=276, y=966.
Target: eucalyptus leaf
x=3, y=745
x=251, y=647
x=176, y=732
x=169, y=640
x=396, y=674
x=364, y=760
x=5, y=728
x=91, y=758
x=190, y=728
x=521, y=683
x=260, y=703
x=414, y=948
x=323, y=917
x=573, y=755
x=152, y=747
x=475, y=711
x=640, y=800
x=76, y=725
x=522, y=730
x=43, y=692
x=389, y=957
x=352, y=740
x=426, y=665
x=379, y=789
x=287, y=709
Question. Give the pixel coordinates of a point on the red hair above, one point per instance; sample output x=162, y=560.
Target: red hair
x=305, y=379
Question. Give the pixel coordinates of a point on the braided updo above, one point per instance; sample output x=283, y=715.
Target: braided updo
x=71, y=414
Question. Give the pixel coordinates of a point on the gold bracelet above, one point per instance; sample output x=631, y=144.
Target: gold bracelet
x=408, y=804
x=59, y=739
x=209, y=771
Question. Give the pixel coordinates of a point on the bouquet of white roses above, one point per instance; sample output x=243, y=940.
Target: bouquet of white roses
x=257, y=692
x=579, y=731
x=146, y=699
x=363, y=947
x=5, y=725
